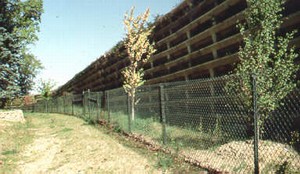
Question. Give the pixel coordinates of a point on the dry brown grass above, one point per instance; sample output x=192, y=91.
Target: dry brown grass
x=14, y=136
x=52, y=143
x=65, y=144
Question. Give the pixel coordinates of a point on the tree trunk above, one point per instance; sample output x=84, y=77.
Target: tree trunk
x=3, y=103
x=132, y=103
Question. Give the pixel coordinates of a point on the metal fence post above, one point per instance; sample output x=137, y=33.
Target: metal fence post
x=88, y=103
x=163, y=114
x=56, y=103
x=33, y=108
x=83, y=103
x=72, y=103
x=46, y=106
x=98, y=105
x=256, y=126
x=64, y=103
x=108, y=109
x=103, y=105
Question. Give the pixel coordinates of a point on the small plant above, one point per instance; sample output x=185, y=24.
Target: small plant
x=295, y=140
x=283, y=168
x=46, y=89
x=217, y=130
x=200, y=127
x=90, y=121
x=164, y=161
x=117, y=128
x=240, y=167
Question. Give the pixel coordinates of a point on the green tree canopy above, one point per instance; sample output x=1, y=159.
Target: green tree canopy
x=19, y=23
x=46, y=88
x=267, y=55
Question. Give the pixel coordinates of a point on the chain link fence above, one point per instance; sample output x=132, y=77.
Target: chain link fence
x=199, y=121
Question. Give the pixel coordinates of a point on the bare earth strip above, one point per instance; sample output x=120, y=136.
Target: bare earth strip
x=67, y=145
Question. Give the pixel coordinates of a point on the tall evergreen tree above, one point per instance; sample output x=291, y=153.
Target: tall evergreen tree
x=19, y=22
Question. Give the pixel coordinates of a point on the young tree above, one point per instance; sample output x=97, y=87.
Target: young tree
x=267, y=55
x=46, y=89
x=139, y=50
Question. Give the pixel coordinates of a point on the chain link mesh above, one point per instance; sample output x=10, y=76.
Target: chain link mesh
x=117, y=107
x=77, y=105
x=147, y=121
x=199, y=121
x=280, y=134
x=204, y=123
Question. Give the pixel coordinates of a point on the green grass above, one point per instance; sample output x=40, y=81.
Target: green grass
x=9, y=152
x=177, y=137
x=165, y=162
x=66, y=129
x=4, y=110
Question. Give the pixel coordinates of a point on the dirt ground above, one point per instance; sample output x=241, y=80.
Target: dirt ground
x=68, y=145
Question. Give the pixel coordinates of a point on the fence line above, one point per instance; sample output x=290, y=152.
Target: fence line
x=199, y=120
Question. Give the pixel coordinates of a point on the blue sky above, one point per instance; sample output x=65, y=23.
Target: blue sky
x=74, y=33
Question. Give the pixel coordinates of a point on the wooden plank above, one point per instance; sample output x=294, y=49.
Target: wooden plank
x=221, y=44
x=211, y=64
x=217, y=28
x=184, y=17
x=291, y=20
x=203, y=18
x=295, y=42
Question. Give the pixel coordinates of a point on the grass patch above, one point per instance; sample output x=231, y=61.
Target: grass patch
x=178, y=137
x=161, y=161
x=164, y=162
x=14, y=137
x=66, y=129
x=9, y=152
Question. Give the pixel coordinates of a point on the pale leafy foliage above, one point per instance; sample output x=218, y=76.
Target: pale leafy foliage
x=139, y=49
x=265, y=54
x=46, y=88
